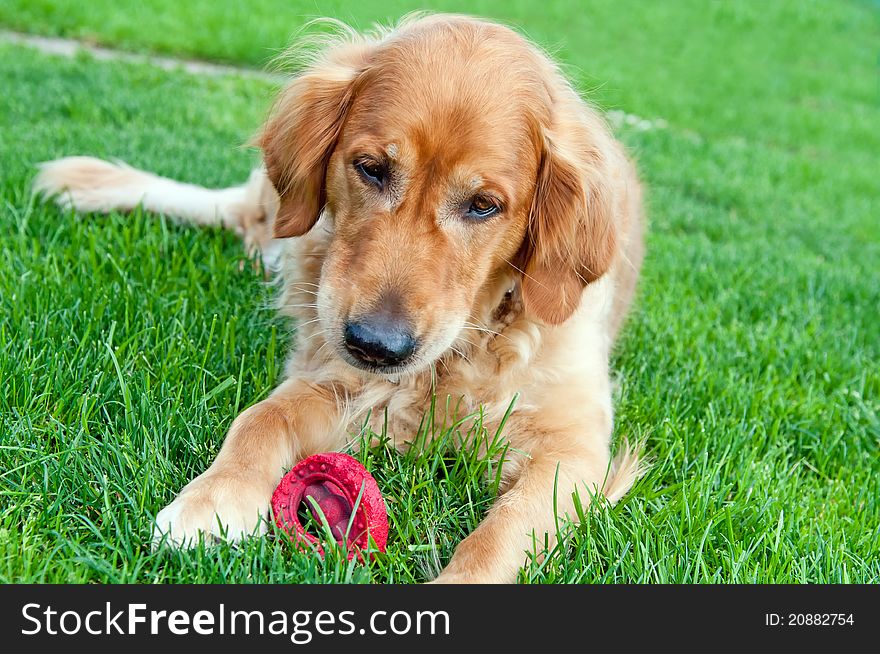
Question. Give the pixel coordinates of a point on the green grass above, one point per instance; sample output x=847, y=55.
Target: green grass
x=750, y=365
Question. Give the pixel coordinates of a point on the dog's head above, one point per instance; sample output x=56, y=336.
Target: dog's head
x=446, y=153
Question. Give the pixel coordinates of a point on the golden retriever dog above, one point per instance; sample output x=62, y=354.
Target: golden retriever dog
x=453, y=221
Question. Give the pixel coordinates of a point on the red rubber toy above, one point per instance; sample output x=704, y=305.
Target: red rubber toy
x=334, y=480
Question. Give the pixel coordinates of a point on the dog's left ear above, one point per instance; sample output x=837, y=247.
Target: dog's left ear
x=572, y=236
x=302, y=132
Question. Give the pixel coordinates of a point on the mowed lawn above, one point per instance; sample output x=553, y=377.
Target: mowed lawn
x=749, y=367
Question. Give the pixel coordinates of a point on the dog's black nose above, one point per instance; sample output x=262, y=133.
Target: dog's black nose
x=379, y=340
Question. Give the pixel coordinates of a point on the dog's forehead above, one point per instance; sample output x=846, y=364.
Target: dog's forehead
x=450, y=96
x=446, y=75
x=415, y=119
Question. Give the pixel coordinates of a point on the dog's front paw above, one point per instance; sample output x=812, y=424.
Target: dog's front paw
x=213, y=507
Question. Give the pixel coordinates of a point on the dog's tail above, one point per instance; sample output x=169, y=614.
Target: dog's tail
x=87, y=184
x=627, y=467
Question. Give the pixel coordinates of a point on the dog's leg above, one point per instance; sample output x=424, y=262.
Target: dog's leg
x=562, y=464
x=232, y=496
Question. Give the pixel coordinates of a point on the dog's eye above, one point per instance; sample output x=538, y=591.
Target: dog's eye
x=372, y=171
x=482, y=207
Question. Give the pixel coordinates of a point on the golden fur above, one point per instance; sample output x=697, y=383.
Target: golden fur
x=526, y=302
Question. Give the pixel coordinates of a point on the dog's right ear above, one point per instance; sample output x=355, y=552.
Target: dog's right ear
x=302, y=131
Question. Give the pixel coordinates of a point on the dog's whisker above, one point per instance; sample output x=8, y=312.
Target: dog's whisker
x=320, y=332
x=487, y=331
x=318, y=351
x=459, y=353
x=525, y=274
x=477, y=328
x=445, y=366
x=481, y=329
x=477, y=322
x=308, y=322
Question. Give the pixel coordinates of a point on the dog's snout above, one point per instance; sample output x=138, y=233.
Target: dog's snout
x=379, y=340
